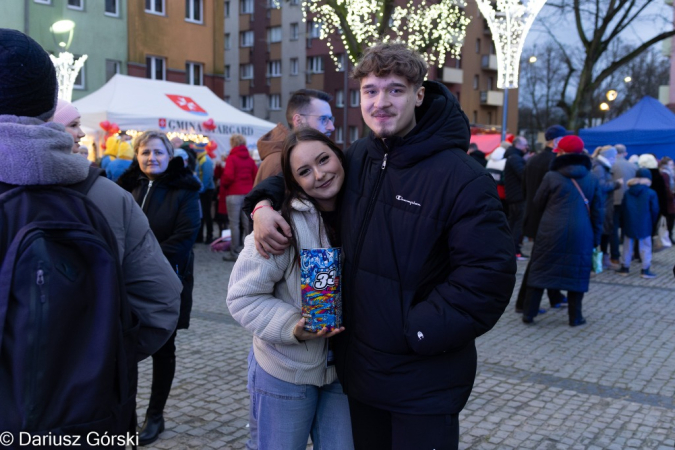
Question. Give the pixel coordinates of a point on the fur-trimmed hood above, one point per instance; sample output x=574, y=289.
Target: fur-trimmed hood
x=636, y=181
x=572, y=165
x=176, y=176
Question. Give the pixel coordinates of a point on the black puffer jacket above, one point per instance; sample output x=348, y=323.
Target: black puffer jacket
x=561, y=256
x=513, y=175
x=429, y=264
x=172, y=208
x=535, y=170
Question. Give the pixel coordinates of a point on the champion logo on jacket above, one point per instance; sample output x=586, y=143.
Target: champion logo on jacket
x=399, y=198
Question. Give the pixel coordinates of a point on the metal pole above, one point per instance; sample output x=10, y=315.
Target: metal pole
x=505, y=113
x=344, y=103
x=26, y=17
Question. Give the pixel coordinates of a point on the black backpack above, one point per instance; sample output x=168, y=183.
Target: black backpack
x=67, y=334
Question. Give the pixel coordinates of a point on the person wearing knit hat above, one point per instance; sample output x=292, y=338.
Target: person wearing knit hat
x=623, y=170
x=80, y=395
x=569, y=196
x=649, y=161
x=67, y=115
x=602, y=170
x=640, y=211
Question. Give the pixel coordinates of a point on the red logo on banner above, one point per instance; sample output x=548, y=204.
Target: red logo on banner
x=162, y=123
x=187, y=104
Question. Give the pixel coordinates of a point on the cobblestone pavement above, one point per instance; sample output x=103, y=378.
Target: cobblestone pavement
x=606, y=385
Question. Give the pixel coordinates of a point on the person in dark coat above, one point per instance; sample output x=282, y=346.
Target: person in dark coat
x=429, y=262
x=640, y=208
x=602, y=170
x=535, y=169
x=649, y=161
x=477, y=154
x=667, y=169
x=570, y=228
x=513, y=183
x=168, y=194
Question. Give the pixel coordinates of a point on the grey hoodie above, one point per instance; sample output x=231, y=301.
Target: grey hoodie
x=39, y=153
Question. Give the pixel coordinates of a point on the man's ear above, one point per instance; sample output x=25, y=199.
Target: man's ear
x=297, y=121
x=419, y=96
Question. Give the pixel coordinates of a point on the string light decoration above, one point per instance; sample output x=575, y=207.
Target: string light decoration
x=434, y=29
x=67, y=69
x=509, y=25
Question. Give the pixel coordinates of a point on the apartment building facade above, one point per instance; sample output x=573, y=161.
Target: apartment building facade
x=179, y=41
x=270, y=52
x=100, y=33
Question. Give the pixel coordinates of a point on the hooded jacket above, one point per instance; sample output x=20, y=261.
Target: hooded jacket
x=39, y=153
x=561, y=256
x=639, y=209
x=602, y=170
x=429, y=263
x=269, y=147
x=171, y=203
x=240, y=171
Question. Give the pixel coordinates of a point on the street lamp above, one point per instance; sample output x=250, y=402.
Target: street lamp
x=509, y=24
x=533, y=59
x=627, y=79
x=612, y=95
x=604, y=107
x=67, y=67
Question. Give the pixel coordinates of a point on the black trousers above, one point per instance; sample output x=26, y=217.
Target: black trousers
x=533, y=301
x=378, y=429
x=206, y=199
x=163, y=370
x=554, y=295
x=515, y=219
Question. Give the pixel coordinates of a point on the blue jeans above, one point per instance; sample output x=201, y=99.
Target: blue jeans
x=283, y=415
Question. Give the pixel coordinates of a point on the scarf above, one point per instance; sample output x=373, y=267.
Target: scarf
x=34, y=152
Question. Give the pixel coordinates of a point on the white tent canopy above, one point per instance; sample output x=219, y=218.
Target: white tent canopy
x=141, y=104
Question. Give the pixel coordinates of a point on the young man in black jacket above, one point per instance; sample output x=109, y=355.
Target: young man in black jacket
x=429, y=260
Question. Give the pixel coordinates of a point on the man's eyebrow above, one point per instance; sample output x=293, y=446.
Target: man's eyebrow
x=392, y=84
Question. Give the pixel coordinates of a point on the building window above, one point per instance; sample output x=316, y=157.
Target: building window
x=339, y=135
x=227, y=72
x=44, y=2
x=246, y=38
x=154, y=6
x=273, y=4
x=274, y=34
x=227, y=9
x=489, y=117
x=246, y=102
x=274, y=102
x=315, y=64
x=493, y=50
x=228, y=41
x=295, y=66
x=339, y=98
x=354, y=97
x=313, y=29
x=155, y=68
x=475, y=117
x=295, y=31
x=112, y=8
x=491, y=81
x=80, y=80
x=353, y=134
x=194, y=74
x=111, y=68
x=246, y=71
x=340, y=67
x=194, y=11
x=295, y=2
x=246, y=6
x=477, y=45
x=274, y=68
x=76, y=4
x=476, y=81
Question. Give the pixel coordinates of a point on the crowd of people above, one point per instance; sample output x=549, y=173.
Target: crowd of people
x=428, y=229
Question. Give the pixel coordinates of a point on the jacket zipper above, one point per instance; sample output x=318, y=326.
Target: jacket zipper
x=146, y=195
x=35, y=356
x=366, y=222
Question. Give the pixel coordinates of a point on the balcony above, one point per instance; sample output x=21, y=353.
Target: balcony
x=492, y=98
x=488, y=62
x=452, y=75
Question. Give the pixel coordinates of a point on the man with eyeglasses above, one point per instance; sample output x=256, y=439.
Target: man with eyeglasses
x=306, y=108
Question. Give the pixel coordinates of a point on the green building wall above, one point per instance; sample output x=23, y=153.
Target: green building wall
x=99, y=35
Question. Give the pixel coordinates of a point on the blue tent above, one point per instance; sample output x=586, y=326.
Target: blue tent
x=648, y=127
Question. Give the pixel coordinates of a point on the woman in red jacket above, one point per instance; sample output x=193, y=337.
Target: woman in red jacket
x=236, y=182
